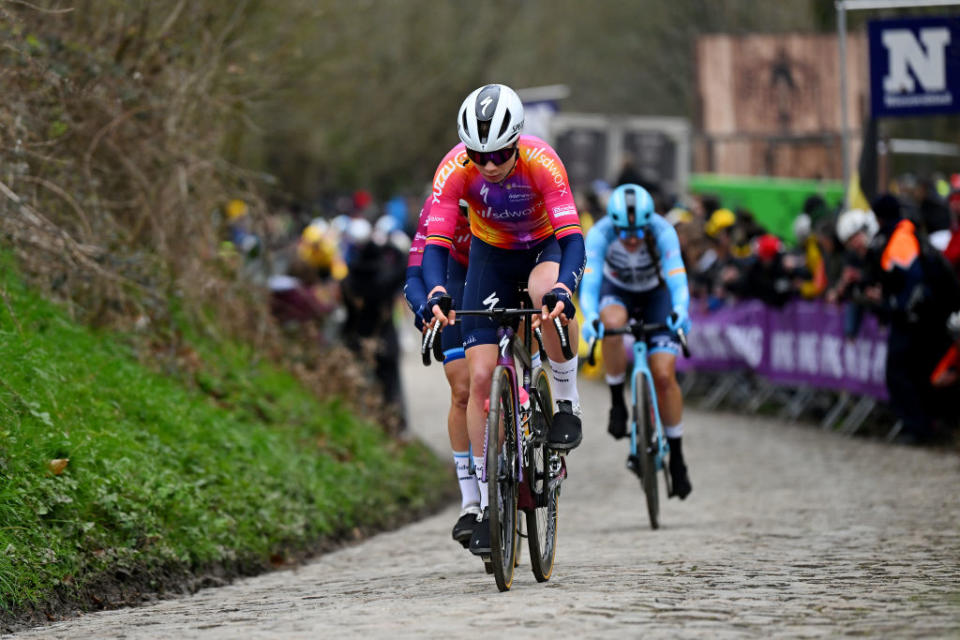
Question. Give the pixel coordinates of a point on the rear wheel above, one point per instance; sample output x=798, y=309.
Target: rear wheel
x=541, y=520
x=502, y=478
x=647, y=448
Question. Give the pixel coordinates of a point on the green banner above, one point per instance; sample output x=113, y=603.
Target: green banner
x=774, y=202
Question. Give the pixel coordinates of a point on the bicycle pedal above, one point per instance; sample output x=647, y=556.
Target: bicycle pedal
x=633, y=464
x=556, y=464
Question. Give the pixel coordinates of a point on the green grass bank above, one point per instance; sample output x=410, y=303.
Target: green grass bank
x=118, y=483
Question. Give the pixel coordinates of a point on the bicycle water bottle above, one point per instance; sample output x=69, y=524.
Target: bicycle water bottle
x=524, y=400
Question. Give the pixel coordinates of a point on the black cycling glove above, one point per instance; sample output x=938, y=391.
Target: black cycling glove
x=562, y=296
x=432, y=301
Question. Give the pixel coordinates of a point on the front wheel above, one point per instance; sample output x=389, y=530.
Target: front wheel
x=542, y=519
x=501, y=462
x=646, y=425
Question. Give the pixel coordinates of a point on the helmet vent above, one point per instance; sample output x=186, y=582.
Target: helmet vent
x=483, y=130
x=506, y=123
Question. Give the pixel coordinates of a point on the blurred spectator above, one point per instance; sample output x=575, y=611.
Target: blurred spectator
x=933, y=212
x=356, y=233
x=915, y=293
x=238, y=226
x=811, y=257
x=816, y=208
x=687, y=233
x=770, y=276
x=629, y=174
x=745, y=230
x=947, y=372
x=952, y=251
x=377, y=271
x=831, y=249
x=309, y=290
x=716, y=266
x=855, y=230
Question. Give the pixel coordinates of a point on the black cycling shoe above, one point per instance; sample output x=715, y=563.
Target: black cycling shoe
x=679, y=479
x=566, y=431
x=617, y=426
x=466, y=523
x=480, y=540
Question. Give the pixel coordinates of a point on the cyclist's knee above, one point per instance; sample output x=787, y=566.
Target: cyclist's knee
x=664, y=372
x=460, y=394
x=480, y=374
x=542, y=279
x=613, y=316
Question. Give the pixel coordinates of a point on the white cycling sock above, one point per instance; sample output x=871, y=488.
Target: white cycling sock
x=478, y=465
x=469, y=491
x=674, y=431
x=565, y=380
x=535, y=360
x=612, y=380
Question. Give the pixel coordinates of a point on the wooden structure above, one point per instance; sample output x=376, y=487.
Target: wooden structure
x=770, y=104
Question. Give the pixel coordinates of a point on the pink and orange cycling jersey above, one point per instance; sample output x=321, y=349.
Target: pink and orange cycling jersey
x=533, y=203
x=460, y=249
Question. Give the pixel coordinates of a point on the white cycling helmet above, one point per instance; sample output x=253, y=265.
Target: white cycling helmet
x=358, y=231
x=854, y=221
x=801, y=227
x=491, y=118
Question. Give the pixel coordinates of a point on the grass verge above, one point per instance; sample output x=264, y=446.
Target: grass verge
x=118, y=483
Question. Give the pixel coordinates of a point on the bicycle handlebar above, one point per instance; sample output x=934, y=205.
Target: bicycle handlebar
x=498, y=313
x=639, y=330
x=430, y=342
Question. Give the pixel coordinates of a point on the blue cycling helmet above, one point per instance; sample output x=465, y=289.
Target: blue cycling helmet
x=630, y=207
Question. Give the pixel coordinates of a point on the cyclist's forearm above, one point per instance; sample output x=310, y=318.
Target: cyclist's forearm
x=414, y=291
x=679, y=291
x=435, y=266
x=572, y=260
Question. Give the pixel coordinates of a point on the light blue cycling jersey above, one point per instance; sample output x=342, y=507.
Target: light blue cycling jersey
x=634, y=271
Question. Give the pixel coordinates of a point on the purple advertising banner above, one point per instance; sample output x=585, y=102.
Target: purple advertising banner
x=800, y=344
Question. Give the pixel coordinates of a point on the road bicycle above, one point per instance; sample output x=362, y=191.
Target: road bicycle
x=523, y=473
x=648, y=445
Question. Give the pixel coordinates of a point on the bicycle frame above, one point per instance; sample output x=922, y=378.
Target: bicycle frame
x=505, y=337
x=642, y=370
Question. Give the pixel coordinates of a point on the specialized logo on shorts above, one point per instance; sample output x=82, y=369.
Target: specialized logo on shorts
x=491, y=301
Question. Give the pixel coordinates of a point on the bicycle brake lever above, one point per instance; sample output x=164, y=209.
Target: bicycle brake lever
x=446, y=303
x=539, y=336
x=682, y=337
x=550, y=299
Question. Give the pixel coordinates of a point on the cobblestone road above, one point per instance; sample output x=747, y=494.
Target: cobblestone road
x=789, y=532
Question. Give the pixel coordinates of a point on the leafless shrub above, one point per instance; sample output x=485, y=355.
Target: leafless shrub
x=113, y=118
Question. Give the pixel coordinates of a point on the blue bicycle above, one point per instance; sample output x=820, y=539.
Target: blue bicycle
x=648, y=444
